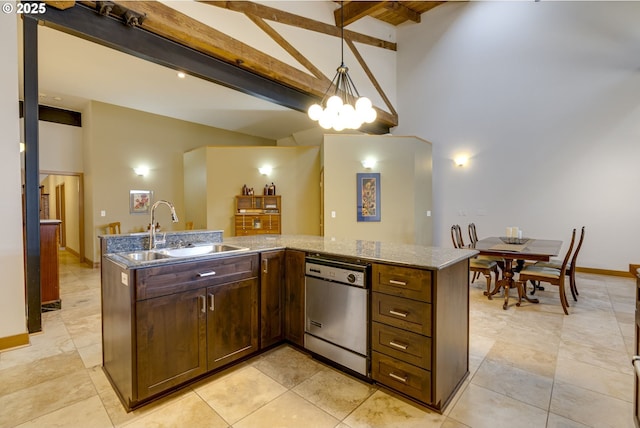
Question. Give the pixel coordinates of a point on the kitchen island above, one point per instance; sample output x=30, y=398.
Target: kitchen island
x=170, y=321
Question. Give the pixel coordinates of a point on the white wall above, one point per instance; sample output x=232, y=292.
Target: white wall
x=12, y=303
x=404, y=164
x=544, y=97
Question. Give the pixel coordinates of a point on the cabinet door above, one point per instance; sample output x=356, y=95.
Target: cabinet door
x=294, y=296
x=271, y=298
x=171, y=341
x=232, y=322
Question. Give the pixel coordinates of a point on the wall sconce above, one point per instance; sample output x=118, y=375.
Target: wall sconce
x=461, y=160
x=265, y=170
x=369, y=163
x=141, y=170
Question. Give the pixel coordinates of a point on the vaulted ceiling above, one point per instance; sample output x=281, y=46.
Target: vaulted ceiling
x=169, y=23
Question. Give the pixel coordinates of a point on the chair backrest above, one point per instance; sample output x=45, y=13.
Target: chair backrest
x=566, y=256
x=575, y=253
x=456, y=236
x=473, y=235
x=113, y=228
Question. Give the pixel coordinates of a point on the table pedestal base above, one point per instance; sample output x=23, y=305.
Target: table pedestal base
x=507, y=282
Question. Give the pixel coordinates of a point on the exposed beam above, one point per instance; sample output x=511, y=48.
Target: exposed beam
x=287, y=18
x=61, y=5
x=400, y=9
x=177, y=42
x=355, y=10
x=289, y=48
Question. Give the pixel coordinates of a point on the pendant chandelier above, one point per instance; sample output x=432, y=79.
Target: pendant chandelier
x=336, y=112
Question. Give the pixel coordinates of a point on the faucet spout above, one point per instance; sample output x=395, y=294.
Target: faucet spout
x=152, y=228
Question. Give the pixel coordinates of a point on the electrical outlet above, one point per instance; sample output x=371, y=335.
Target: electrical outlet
x=103, y=213
x=333, y=214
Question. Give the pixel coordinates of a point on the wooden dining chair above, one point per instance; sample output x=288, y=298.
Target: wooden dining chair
x=476, y=265
x=548, y=274
x=473, y=237
x=570, y=268
x=113, y=228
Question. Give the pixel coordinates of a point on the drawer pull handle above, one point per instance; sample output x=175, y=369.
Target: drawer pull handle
x=398, y=313
x=205, y=274
x=212, y=302
x=399, y=345
x=204, y=304
x=394, y=282
x=402, y=379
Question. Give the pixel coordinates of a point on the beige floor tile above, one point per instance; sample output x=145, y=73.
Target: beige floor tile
x=240, y=393
x=555, y=421
x=83, y=414
x=526, y=357
x=516, y=383
x=451, y=423
x=38, y=400
x=334, y=392
x=187, y=411
x=288, y=411
x=590, y=408
x=30, y=374
x=91, y=355
x=287, y=366
x=609, y=382
x=480, y=407
x=612, y=358
x=385, y=411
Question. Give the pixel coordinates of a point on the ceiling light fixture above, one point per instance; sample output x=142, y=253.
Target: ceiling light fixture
x=461, y=160
x=141, y=170
x=333, y=111
x=368, y=163
x=265, y=170
x=181, y=74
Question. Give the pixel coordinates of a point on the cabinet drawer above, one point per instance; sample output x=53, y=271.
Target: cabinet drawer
x=403, y=313
x=401, y=376
x=402, y=281
x=173, y=278
x=406, y=346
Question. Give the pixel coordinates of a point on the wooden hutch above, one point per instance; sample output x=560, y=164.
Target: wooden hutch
x=257, y=215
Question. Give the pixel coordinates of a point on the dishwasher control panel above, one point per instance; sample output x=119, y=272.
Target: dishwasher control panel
x=345, y=273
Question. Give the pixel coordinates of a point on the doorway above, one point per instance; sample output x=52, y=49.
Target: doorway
x=68, y=191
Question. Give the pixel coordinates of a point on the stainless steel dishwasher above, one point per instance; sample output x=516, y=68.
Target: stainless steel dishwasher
x=337, y=312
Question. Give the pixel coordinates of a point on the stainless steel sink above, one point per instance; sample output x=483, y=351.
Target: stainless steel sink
x=201, y=250
x=145, y=256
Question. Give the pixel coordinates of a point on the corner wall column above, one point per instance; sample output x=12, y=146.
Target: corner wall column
x=31, y=174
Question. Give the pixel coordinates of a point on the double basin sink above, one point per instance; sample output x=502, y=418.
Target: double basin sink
x=200, y=250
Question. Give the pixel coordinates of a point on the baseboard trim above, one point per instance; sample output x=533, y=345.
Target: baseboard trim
x=633, y=269
x=609, y=272
x=14, y=341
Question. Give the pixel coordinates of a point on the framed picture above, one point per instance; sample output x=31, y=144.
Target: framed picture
x=368, y=202
x=140, y=201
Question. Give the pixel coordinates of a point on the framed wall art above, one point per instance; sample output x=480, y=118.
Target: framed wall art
x=140, y=201
x=368, y=198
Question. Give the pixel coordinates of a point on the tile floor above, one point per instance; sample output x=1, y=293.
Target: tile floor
x=529, y=367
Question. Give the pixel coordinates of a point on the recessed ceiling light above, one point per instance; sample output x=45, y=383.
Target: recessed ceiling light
x=57, y=98
x=181, y=74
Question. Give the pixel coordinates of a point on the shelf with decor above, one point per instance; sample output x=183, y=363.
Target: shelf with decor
x=257, y=214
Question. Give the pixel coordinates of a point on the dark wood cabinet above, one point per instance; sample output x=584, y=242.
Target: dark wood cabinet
x=294, y=296
x=232, y=322
x=272, y=268
x=171, y=336
x=166, y=325
x=49, y=264
x=420, y=331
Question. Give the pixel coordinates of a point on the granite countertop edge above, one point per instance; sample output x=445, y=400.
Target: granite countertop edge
x=433, y=258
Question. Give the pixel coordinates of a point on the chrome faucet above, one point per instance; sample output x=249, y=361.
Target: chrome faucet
x=152, y=228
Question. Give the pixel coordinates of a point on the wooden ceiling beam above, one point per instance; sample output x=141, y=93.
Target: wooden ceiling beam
x=403, y=11
x=60, y=5
x=282, y=17
x=355, y=10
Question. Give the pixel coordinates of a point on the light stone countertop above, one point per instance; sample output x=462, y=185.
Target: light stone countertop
x=433, y=258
